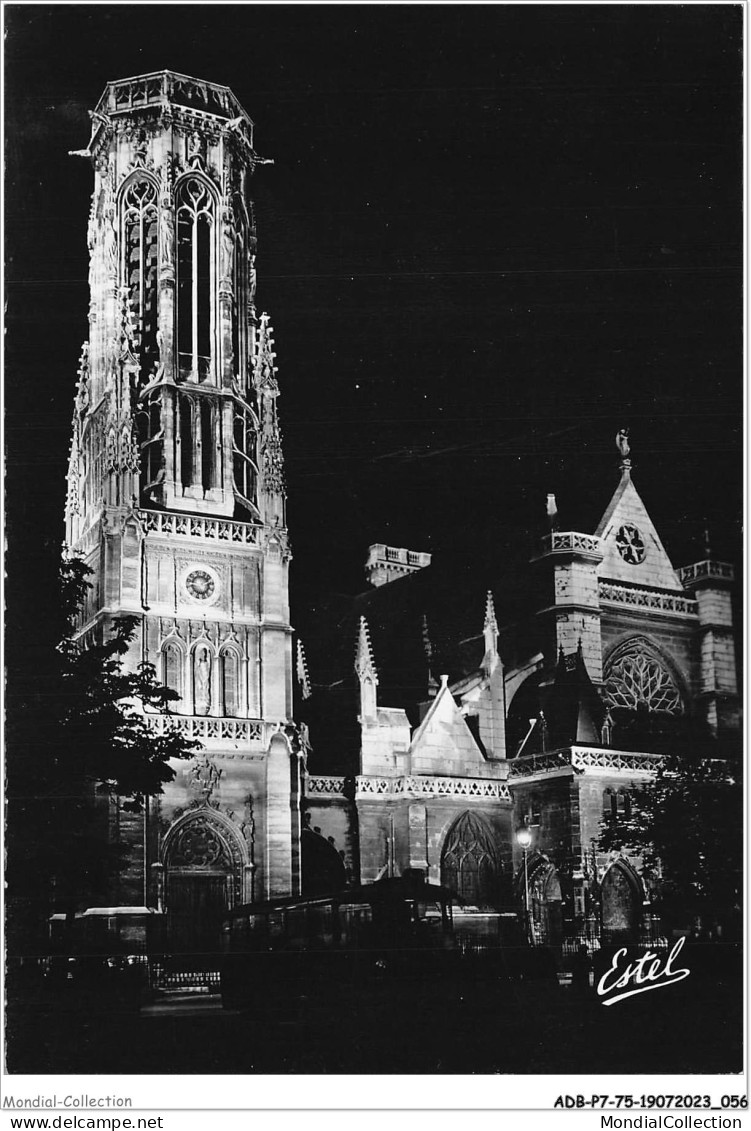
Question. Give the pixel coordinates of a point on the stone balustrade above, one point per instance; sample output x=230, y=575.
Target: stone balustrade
x=635, y=597
x=579, y=758
x=571, y=541
x=723, y=570
x=171, y=525
x=206, y=728
x=429, y=786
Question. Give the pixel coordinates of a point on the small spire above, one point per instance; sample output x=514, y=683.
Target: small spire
x=490, y=621
x=303, y=677
x=364, y=661
x=264, y=362
x=490, y=632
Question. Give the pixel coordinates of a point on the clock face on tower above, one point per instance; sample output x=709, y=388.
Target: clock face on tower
x=201, y=585
x=630, y=544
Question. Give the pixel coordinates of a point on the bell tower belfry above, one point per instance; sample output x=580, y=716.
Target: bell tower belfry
x=176, y=492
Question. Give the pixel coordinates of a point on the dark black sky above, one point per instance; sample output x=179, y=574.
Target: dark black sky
x=491, y=237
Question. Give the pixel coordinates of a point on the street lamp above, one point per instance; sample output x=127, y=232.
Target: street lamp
x=524, y=839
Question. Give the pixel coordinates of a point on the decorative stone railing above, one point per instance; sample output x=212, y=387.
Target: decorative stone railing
x=580, y=758
x=194, y=526
x=208, y=729
x=161, y=87
x=571, y=541
x=324, y=786
x=694, y=572
x=432, y=787
x=637, y=598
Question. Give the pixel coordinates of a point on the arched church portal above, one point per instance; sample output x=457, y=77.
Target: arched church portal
x=205, y=863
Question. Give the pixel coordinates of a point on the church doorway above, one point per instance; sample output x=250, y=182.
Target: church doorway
x=546, y=903
x=203, y=866
x=468, y=863
x=621, y=898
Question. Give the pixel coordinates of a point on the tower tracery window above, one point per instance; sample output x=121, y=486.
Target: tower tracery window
x=196, y=255
x=140, y=242
x=243, y=452
x=151, y=437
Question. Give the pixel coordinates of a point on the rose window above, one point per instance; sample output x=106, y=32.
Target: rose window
x=630, y=544
x=637, y=679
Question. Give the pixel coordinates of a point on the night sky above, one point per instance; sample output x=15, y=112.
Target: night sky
x=492, y=236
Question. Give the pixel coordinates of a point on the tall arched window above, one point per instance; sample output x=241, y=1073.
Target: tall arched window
x=139, y=212
x=468, y=864
x=230, y=673
x=195, y=279
x=243, y=450
x=207, y=444
x=643, y=697
x=186, y=440
x=172, y=667
x=150, y=437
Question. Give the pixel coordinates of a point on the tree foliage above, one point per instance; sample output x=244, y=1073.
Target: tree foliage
x=688, y=828
x=80, y=748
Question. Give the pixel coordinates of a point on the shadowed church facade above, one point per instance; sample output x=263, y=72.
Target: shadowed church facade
x=434, y=717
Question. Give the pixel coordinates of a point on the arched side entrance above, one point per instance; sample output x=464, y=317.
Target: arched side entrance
x=545, y=899
x=546, y=903
x=205, y=862
x=469, y=863
x=621, y=899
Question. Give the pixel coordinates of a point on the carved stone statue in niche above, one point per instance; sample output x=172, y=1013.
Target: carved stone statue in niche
x=168, y=235
x=204, y=778
x=110, y=242
x=202, y=680
x=228, y=247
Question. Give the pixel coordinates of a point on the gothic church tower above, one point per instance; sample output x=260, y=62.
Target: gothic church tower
x=176, y=494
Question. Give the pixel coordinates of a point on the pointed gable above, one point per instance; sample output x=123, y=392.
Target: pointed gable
x=443, y=743
x=632, y=550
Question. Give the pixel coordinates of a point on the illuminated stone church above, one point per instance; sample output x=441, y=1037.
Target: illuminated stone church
x=416, y=726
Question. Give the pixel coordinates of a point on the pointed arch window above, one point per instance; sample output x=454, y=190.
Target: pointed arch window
x=150, y=437
x=207, y=443
x=172, y=667
x=636, y=678
x=240, y=297
x=186, y=407
x=230, y=675
x=139, y=218
x=196, y=270
x=243, y=455
x=468, y=865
